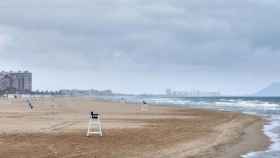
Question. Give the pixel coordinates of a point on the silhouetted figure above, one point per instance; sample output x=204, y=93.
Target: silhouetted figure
x=144, y=102
x=30, y=104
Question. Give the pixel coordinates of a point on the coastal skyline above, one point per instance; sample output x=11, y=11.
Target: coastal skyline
x=142, y=46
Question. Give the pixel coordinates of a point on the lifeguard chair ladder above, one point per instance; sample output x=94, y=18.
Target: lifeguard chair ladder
x=94, y=125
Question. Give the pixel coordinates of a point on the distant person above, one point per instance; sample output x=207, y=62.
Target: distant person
x=123, y=100
x=30, y=104
x=144, y=102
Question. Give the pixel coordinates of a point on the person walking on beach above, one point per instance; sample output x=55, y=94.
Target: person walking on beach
x=144, y=102
x=30, y=104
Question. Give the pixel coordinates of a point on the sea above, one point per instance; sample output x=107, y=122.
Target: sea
x=266, y=107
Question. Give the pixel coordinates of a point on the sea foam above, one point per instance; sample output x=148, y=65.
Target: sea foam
x=272, y=130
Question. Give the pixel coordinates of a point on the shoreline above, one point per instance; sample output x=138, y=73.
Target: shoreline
x=168, y=131
x=252, y=135
x=237, y=149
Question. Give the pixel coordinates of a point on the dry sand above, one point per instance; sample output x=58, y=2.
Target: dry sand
x=56, y=128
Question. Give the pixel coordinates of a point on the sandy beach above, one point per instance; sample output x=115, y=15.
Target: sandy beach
x=56, y=128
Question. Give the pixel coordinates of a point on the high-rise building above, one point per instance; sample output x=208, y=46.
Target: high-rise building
x=16, y=82
x=192, y=93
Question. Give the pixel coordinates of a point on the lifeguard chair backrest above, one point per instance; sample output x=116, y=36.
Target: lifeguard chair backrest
x=94, y=116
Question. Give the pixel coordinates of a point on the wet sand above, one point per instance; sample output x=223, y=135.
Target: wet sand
x=56, y=128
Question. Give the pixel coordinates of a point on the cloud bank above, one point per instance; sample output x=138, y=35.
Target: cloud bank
x=143, y=46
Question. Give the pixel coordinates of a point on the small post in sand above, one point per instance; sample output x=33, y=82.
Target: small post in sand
x=94, y=125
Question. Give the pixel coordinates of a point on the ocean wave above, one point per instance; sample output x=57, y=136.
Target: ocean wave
x=219, y=103
x=249, y=104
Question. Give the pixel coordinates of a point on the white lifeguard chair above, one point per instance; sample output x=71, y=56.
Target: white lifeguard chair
x=94, y=125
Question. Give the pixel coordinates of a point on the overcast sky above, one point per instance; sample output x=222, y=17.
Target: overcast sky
x=143, y=46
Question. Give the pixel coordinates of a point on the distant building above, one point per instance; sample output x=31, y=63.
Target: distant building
x=16, y=82
x=91, y=92
x=168, y=92
x=192, y=93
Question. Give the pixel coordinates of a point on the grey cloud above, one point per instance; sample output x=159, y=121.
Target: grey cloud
x=195, y=37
